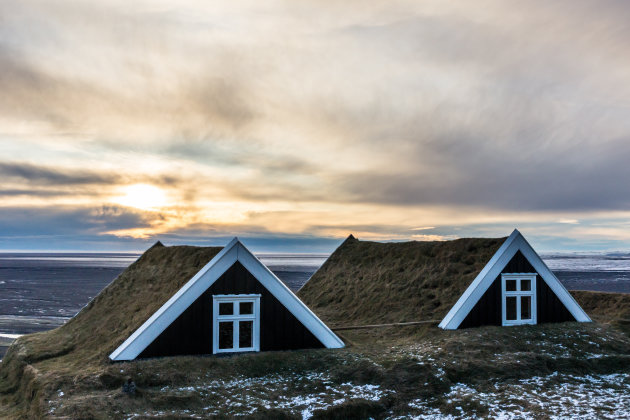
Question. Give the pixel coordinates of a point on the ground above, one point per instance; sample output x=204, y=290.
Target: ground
x=393, y=372
x=559, y=370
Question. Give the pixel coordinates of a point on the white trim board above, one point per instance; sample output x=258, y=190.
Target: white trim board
x=200, y=282
x=518, y=293
x=236, y=317
x=515, y=242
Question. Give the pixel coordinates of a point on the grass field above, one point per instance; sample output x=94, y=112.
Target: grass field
x=383, y=373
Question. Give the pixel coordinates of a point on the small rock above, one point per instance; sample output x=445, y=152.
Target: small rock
x=129, y=387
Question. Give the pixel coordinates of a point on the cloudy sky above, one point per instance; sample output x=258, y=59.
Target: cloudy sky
x=296, y=123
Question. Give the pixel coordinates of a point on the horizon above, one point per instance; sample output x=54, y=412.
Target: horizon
x=293, y=125
x=266, y=251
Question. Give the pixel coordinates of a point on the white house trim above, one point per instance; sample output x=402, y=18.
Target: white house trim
x=518, y=293
x=236, y=318
x=200, y=282
x=515, y=242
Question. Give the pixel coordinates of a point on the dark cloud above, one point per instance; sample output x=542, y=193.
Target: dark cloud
x=44, y=193
x=56, y=176
x=65, y=222
x=63, y=228
x=41, y=175
x=536, y=180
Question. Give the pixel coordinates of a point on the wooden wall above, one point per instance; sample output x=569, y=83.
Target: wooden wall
x=191, y=332
x=488, y=310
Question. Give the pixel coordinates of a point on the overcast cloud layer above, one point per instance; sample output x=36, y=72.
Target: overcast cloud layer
x=304, y=121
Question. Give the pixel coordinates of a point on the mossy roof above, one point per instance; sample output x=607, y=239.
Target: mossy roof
x=122, y=307
x=371, y=282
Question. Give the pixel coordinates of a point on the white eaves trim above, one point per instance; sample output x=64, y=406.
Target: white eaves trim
x=196, y=286
x=515, y=242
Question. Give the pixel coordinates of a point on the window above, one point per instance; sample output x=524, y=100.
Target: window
x=235, y=323
x=518, y=294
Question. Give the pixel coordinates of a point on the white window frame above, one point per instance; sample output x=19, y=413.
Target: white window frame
x=235, y=317
x=517, y=293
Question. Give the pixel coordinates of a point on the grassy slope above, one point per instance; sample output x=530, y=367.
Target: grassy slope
x=412, y=362
x=371, y=282
x=423, y=364
x=604, y=306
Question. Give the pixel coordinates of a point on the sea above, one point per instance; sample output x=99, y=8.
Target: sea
x=41, y=291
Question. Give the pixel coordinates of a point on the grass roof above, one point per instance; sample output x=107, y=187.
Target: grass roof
x=120, y=308
x=370, y=282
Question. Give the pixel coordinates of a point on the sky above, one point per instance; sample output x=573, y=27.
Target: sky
x=293, y=124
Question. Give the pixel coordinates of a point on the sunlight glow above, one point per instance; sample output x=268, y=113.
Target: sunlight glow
x=142, y=196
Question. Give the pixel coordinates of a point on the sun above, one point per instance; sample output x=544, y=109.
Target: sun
x=142, y=196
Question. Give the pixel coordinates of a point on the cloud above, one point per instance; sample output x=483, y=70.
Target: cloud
x=59, y=222
x=433, y=237
x=569, y=221
x=287, y=119
x=34, y=193
x=39, y=175
x=562, y=180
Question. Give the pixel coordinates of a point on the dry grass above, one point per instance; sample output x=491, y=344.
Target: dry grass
x=332, y=382
x=370, y=282
x=611, y=308
x=604, y=306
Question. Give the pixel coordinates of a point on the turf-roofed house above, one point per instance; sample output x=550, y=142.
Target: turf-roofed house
x=514, y=288
x=233, y=304
x=465, y=282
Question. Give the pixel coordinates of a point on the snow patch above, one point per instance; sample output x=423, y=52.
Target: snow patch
x=558, y=396
x=295, y=393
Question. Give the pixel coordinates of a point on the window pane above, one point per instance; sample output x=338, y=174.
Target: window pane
x=246, y=308
x=245, y=337
x=526, y=307
x=510, y=308
x=226, y=308
x=510, y=285
x=526, y=285
x=226, y=337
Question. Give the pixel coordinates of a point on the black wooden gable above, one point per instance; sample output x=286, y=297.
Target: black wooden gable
x=487, y=311
x=191, y=332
